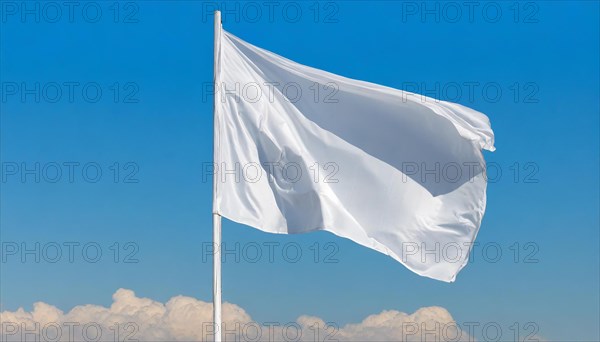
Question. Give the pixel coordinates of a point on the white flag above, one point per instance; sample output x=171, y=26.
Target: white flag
x=299, y=149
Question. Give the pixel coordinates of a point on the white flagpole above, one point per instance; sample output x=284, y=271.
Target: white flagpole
x=216, y=216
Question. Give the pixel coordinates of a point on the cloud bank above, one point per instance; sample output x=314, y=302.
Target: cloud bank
x=131, y=318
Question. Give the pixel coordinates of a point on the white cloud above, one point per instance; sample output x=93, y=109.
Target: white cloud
x=188, y=319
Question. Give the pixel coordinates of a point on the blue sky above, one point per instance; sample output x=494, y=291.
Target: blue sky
x=152, y=61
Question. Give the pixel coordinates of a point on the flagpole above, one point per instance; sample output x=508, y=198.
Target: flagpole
x=216, y=216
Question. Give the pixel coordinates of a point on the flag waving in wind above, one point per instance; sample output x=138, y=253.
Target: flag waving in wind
x=299, y=149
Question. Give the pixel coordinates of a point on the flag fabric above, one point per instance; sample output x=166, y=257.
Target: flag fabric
x=299, y=149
